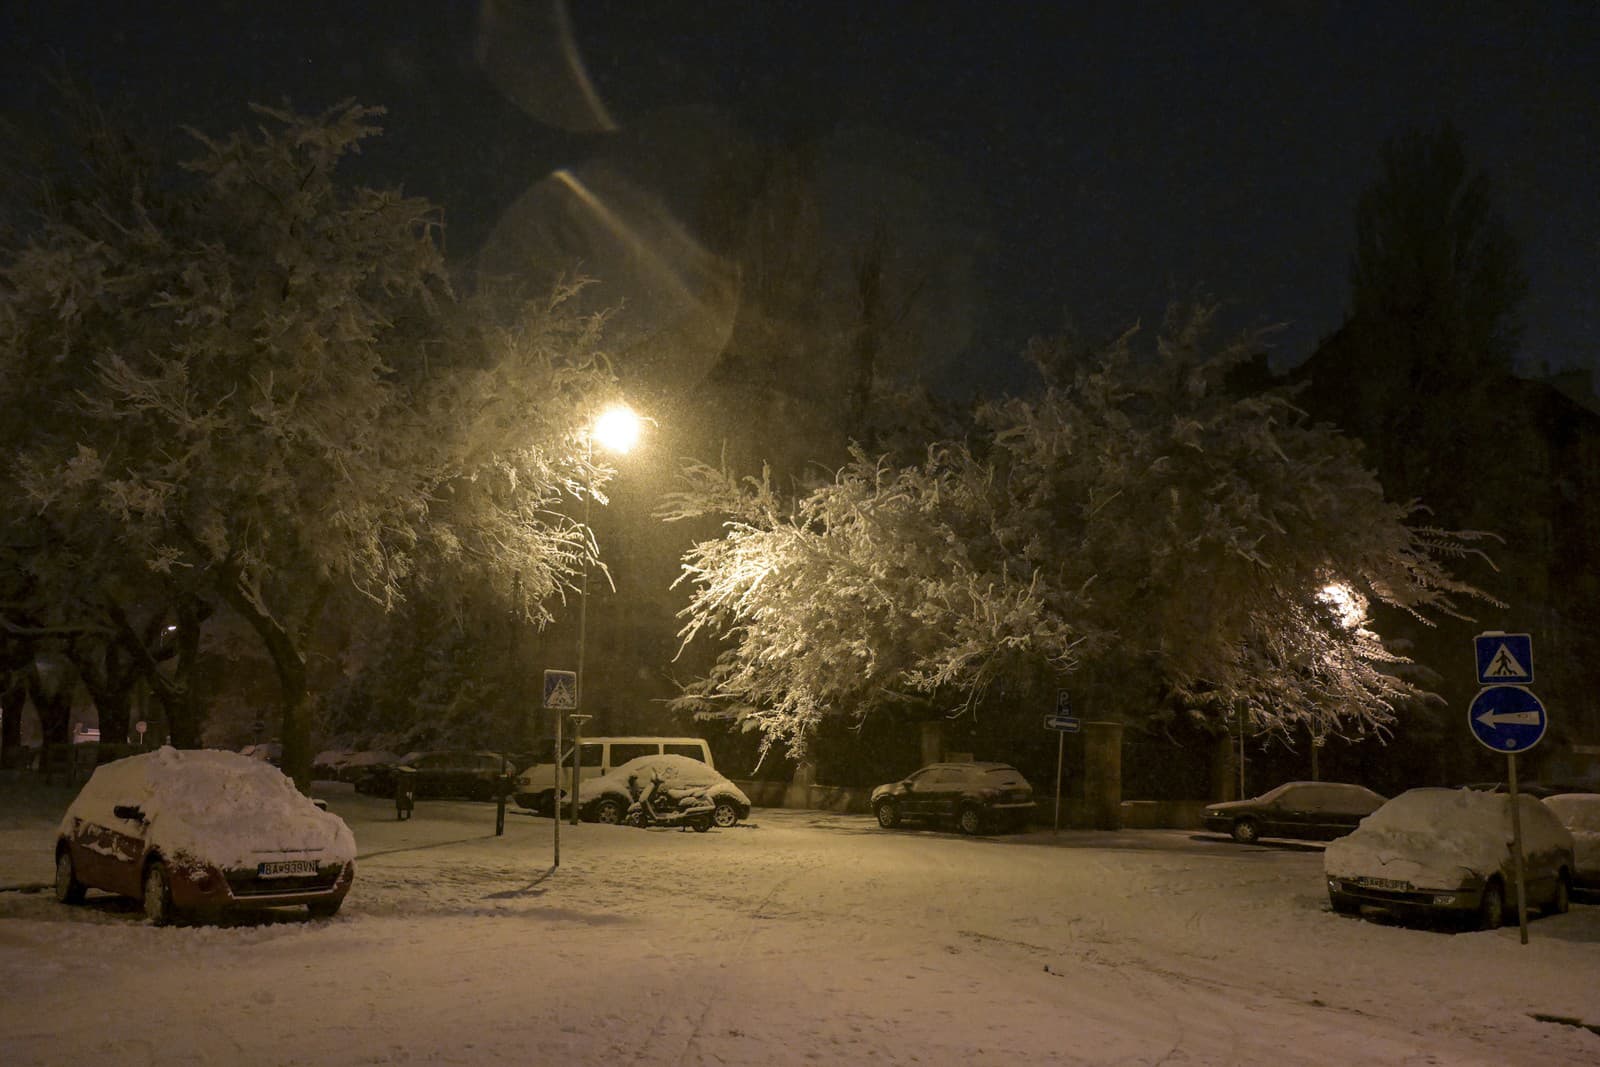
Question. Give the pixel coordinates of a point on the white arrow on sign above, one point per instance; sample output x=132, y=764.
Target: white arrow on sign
x=1509, y=718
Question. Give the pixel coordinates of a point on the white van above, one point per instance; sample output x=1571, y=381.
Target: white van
x=536, y=785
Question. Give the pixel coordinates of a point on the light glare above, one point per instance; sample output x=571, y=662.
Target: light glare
x=617, y=429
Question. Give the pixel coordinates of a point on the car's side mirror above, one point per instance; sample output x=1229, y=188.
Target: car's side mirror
x=128, y=811
x=322, y=805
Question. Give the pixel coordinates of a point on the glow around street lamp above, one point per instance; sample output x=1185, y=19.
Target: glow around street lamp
x=617, y=428
x=1349, y=606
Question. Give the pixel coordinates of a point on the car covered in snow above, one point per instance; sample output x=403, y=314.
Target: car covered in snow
x=1304, y=810
x=607, y=798
x=202, y=833
x=974, y=797
x=1448, y=851
x=1580, y=814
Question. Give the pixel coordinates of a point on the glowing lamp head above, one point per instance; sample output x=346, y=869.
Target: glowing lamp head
x=616, y=429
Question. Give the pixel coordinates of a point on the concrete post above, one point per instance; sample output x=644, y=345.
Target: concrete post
x=798, y=794
x=932, y=742
x=1102, y=774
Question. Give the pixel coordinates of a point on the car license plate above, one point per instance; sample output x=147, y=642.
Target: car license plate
x=286, y=868
x=1384, y=883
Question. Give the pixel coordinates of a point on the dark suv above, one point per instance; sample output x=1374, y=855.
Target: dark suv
x=974, y=797
x=473, y=775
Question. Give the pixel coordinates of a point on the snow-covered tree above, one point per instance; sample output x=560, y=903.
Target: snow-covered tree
x=257, y=382
x=1137, y=530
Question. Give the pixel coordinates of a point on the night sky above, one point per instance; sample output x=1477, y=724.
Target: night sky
x=1101, y=157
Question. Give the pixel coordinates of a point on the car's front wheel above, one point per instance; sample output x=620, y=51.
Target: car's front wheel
x=970, y=821
x=888, y=814
x=610, y=811
x=1492, y=908
x=1561, y=901
x=726, y=815
x=68, y=889
x=158, y=895
x=1246, y=831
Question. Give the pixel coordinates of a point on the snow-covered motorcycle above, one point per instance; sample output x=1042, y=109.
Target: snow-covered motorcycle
x=657, y=805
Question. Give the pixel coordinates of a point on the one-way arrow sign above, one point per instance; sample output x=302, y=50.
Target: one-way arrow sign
x=1511, y=718
x=1506, y=718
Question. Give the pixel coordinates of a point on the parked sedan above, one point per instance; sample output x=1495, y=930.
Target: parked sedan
x=470, y=774
x=202, y=833
x=1306, y=810
x=974, y=797
x=606, y=798
x=1448, y=851
x=1580, y=814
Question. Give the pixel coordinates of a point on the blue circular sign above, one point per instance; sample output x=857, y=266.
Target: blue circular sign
x=1507, y=718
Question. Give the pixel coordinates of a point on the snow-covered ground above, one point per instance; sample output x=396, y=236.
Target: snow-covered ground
x=798, y=938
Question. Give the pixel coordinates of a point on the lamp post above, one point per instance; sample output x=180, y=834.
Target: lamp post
x=617, y=430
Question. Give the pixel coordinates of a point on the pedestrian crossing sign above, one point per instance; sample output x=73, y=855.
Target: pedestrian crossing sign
x=1504, y=659
x=561, y=690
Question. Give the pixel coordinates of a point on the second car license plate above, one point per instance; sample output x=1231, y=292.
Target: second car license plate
x=1384, y=883
x=285, y=868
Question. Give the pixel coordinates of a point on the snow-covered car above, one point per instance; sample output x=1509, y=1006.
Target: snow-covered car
x=1305, y=810
x=975, y=797
x=607, y=798
x=1580, y=814
x=1449, y=851
x=201, y=833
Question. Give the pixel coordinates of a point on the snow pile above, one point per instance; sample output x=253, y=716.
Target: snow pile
x=1428, y=836
x=221, y=807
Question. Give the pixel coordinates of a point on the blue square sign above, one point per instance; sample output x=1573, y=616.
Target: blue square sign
x=1504, y=659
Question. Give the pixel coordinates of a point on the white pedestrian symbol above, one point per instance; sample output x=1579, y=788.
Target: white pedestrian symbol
x=1505, y=665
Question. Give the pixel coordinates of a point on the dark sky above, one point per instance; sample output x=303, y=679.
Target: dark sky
x=1112, y=154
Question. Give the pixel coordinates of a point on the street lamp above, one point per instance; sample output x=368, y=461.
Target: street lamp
x=617, y=430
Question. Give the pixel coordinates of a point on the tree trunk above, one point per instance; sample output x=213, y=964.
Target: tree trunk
x=109, y=673
x=13, y=699
x=294, y=731
x=51, y=691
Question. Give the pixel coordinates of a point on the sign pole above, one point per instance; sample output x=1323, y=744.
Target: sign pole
x=577, y=759
x=555, y=798
x=1516, y=850
x=1506, y=717
x=1061, y=748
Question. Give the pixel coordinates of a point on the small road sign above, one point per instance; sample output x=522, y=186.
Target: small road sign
x=561, y=690
x=1064, y=723
x=1507, y=718
x=1063, y=702
x=1504, y=659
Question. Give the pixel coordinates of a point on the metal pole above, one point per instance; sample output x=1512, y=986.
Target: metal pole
x=1061, y=748
x=1516, y=851
x=583, y=627
x=555, y=796
x=1241, y=755
x=500, y=800
x=577, y=760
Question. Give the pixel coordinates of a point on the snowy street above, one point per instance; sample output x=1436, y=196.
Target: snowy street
x=800, y=937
